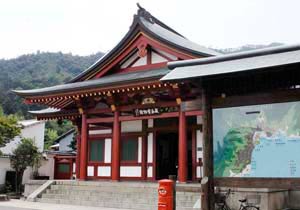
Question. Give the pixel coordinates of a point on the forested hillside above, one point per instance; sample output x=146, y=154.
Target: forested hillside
x=35, y=71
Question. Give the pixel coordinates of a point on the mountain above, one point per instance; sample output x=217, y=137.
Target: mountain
x=247, y=48
x=36, y=71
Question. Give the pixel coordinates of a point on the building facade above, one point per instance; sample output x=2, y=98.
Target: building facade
x=131, y=125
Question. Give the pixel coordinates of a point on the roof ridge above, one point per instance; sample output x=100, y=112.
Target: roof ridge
x=142, y=12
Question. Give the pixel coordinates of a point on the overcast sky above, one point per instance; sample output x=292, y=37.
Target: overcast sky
x=87, y=26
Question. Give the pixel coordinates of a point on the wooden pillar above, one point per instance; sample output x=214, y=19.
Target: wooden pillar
x=144, y=149
x=115, y=167
x=83, y=148
x=182, y=148
x=208, y=198
x=78, y=147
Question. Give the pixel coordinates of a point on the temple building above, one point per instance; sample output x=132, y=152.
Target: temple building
x=131, y=125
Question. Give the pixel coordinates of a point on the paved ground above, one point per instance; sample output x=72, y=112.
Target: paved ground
x=25, y=205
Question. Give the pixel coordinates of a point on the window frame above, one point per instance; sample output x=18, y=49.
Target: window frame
x=89, y=150
x=128, y=138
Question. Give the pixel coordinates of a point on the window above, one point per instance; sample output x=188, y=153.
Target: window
x=64, y=168
x=97, y=150
x=130, y=149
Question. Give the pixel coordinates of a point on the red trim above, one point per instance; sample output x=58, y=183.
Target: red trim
x=143, y=67
x=128, y=163
x=78, y=156
x=133, y=46
x=83, y=153
x=144, y=149
x=182, y=150
x=115, y=167
x=194, y=155
x=97, y=136
x=149, y=53
x=154, y=155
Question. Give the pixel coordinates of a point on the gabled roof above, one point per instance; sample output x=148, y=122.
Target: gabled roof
x=144, y=22
x=234, y=63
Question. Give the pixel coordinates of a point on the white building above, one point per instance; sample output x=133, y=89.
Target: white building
x=30, y=129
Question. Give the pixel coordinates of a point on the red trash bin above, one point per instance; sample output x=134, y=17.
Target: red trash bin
x=165, y=194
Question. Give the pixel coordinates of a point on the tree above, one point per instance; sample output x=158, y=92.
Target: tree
x=8, y=128
x=25, y=155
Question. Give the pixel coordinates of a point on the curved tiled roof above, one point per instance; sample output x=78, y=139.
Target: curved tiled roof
x=144, y=21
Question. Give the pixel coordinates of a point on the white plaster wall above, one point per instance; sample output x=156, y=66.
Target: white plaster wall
x=140, y=62
x=128, y=61
x=90, y=171
x=107, y=152
x=155, y=58
x=199, y=120
x=167, y=54
x=150, y=123
x=150, y=148
x=199, y=137
x=47, y=168
x=131, y=126
x=131, y=171
x=150, y=171
x=105, y=131
x=103, y=171
x=35, y=131
x=74, y=168
x=199, y=172
x=4, y=166
x=140, y=150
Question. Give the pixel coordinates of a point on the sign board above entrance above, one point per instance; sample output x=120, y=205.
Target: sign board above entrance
x=153, y=111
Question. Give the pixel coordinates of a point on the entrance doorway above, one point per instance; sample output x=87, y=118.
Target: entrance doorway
x=166, y=154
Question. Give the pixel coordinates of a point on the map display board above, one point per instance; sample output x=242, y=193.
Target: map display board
x=257, y=141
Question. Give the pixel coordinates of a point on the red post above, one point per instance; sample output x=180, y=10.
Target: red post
x=182, y=148
x=78, y=156
x=83, y=148
x=115, y=167
x=166, y=195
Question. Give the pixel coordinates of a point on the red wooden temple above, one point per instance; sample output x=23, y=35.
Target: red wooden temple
x=131, y=125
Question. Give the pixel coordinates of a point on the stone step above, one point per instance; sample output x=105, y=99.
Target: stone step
x=179, y=196
x=104, y=188
x=116, y=198
x=108, y=204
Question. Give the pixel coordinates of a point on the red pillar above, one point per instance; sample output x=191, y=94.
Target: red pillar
x=115, y=167
x=83, y=148
x=78, y=156
x=182, y=148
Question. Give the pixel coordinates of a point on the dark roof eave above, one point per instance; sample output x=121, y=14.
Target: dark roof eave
x=233, y=56
x=70, y=86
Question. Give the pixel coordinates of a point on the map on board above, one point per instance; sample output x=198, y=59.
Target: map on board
x=257, y=141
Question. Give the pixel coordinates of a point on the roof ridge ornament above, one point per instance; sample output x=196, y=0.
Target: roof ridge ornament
x=142, y=12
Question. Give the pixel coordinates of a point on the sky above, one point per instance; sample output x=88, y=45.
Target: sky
x=84, y=27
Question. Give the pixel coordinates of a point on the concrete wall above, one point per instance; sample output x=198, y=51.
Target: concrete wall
x=267, y=199
x=46, y=169
x=32, y=185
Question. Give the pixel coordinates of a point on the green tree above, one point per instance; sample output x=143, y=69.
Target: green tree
x=25, y=155
x=8, y=128
x=50, y=136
